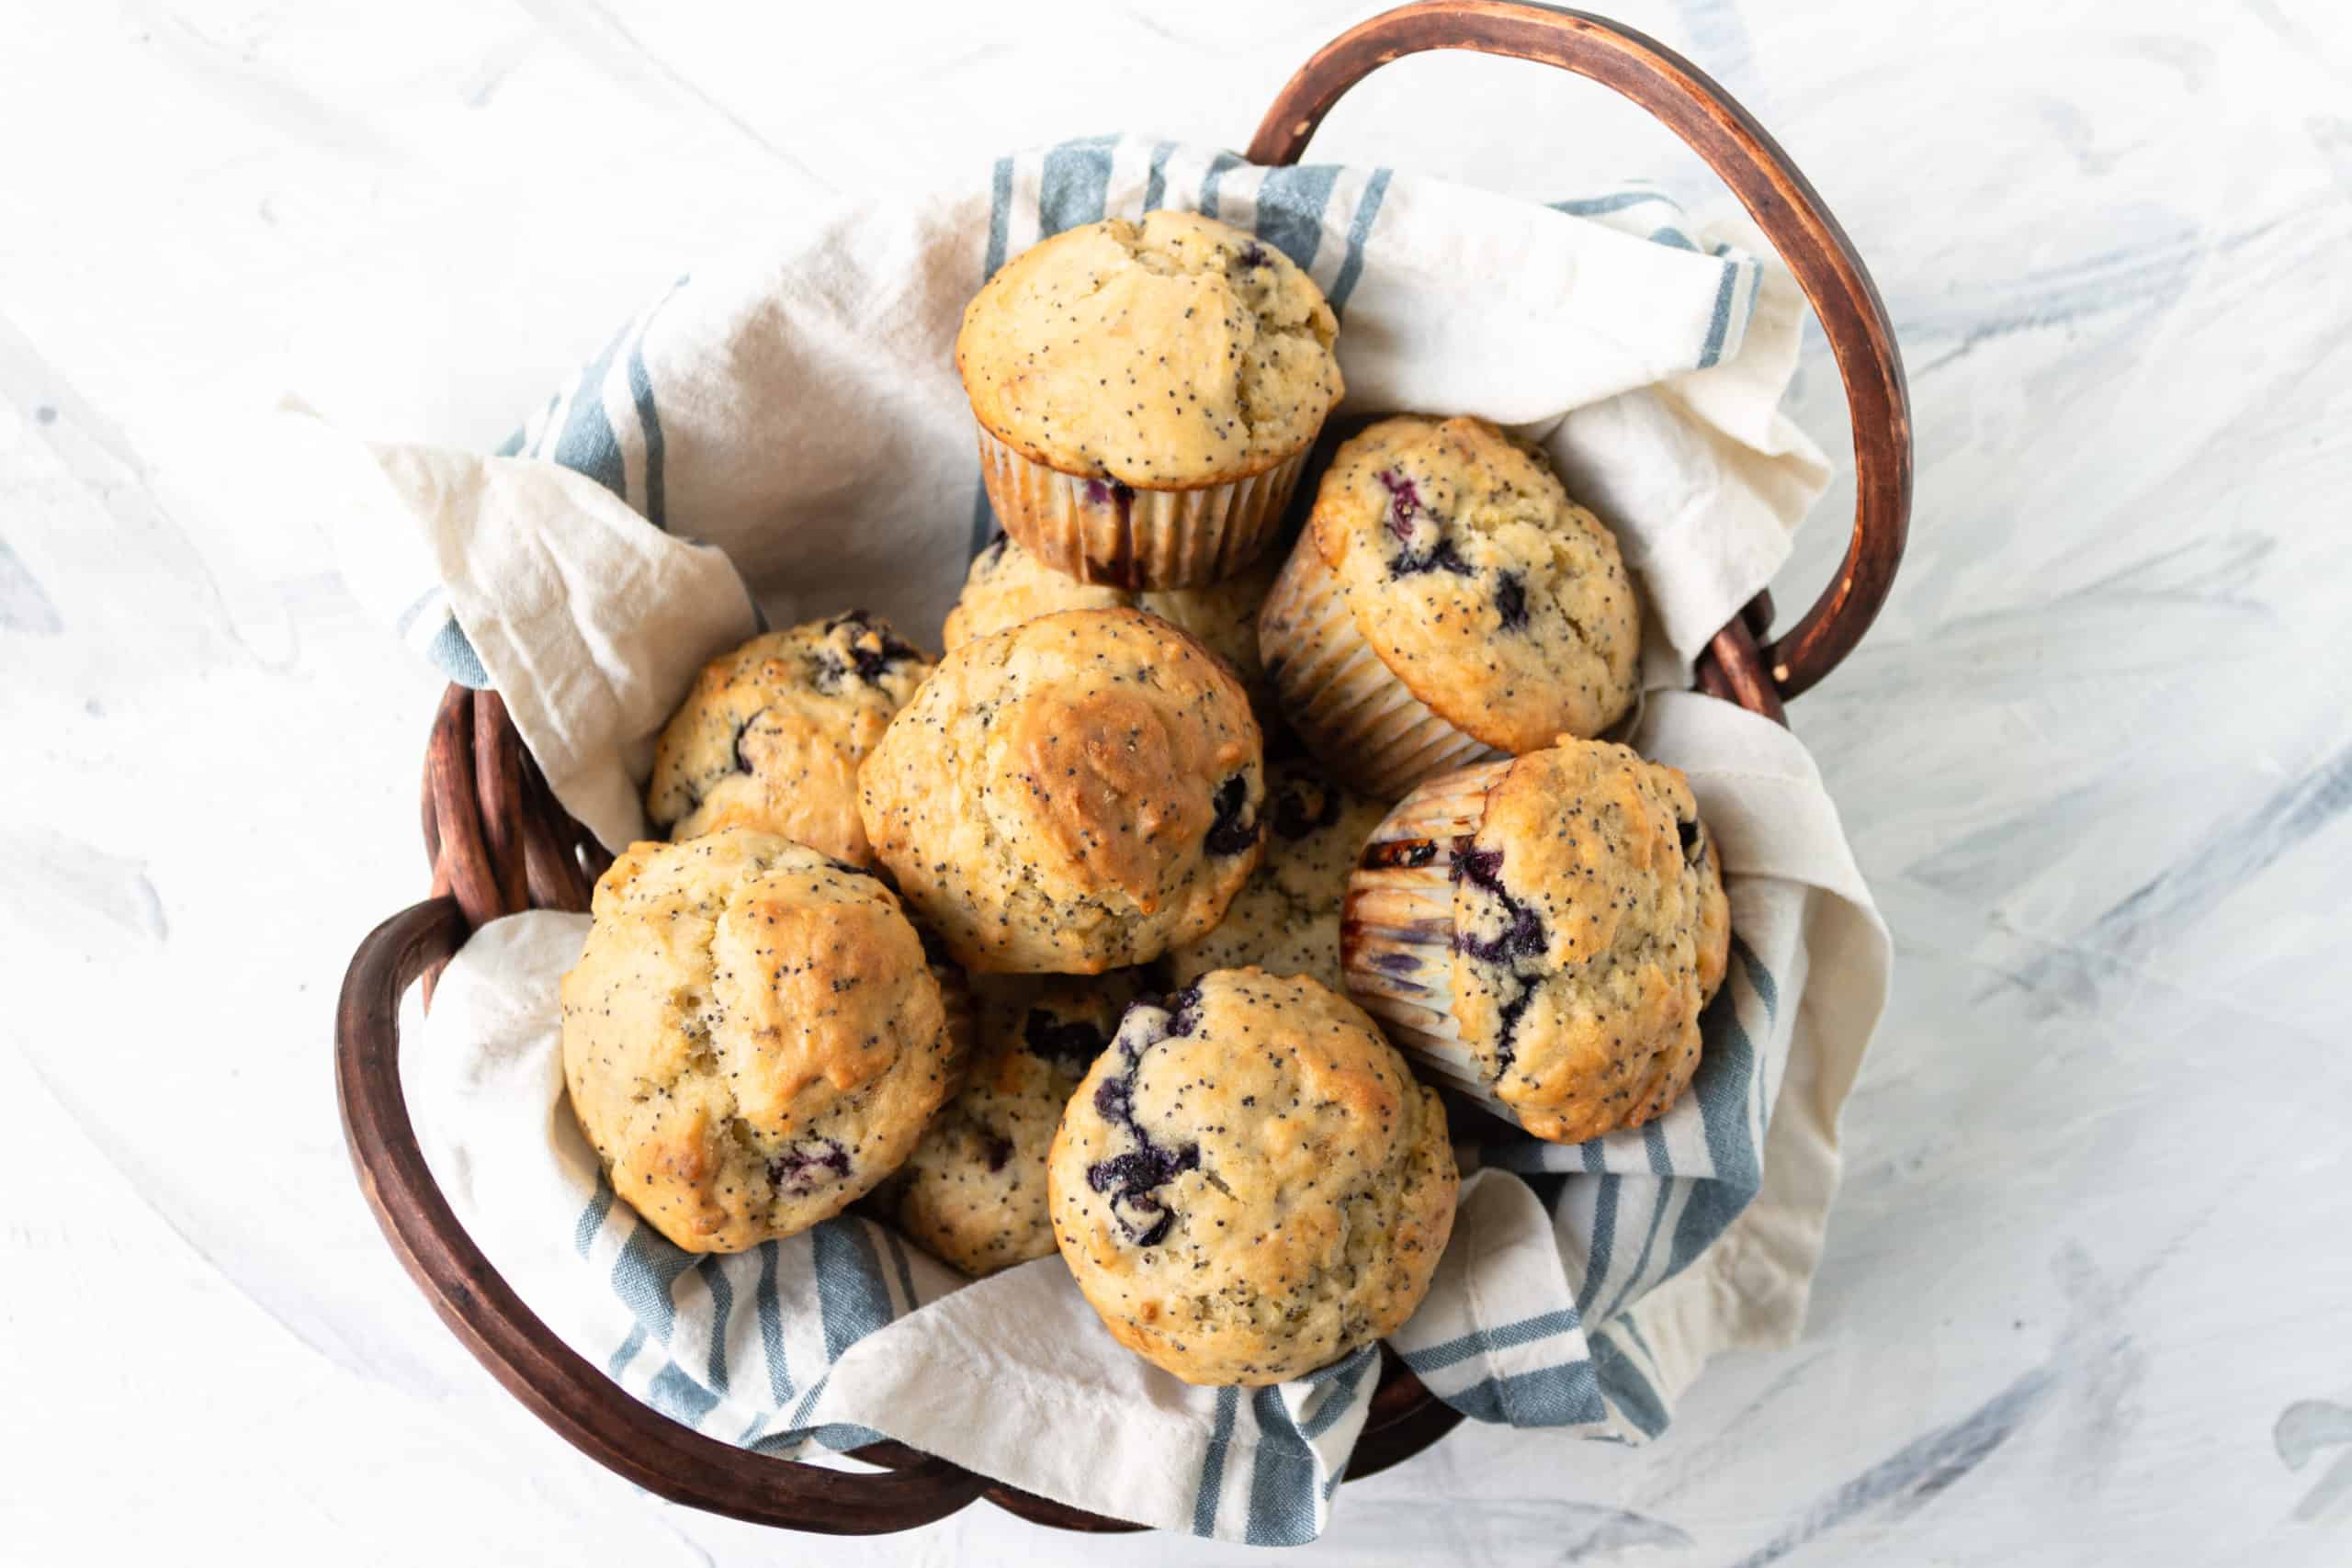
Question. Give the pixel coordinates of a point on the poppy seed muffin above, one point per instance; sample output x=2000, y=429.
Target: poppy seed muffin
x=770, y=735
x=1007, y=585
x=1074, y=795
x=1543, y=933
x=1250, y=1185
x=1146, y=394
x=1447, y=602
x=973, y=1194
x=752, y=1038
x=1285, y=919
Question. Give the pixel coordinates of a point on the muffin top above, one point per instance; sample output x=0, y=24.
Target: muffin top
x=973, y=1194
x=1591, y=929
x=751, y=1038
x=770, y=735
x=1499, y=604
x=1285, y=919
x=1173, y=353
x=1071, y=796
x=1249, y=1184
x=1007, y=585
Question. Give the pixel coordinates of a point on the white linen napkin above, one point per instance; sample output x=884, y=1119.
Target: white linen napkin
x=789, y=423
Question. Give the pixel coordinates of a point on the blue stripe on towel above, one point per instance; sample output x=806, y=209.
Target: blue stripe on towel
x=1205, y=1502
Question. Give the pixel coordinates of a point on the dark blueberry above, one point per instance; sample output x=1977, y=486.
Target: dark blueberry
x=1074, y=1045
x=1481, y=869
x=1523, y=937
x=1113, y=1101
x=1690, y=834
x=1131, y=1179
x=1405, y=513
x=1117, y=493
x=1510, y=600
x=1404, y=503
x=1407, y=854
x=872, y=649
x=743, y=764
x=1233, y=832
x=794, y=1169
x=1294, y=819
x=1000, y=1150
x=1183, y=1012
x=1253, y=255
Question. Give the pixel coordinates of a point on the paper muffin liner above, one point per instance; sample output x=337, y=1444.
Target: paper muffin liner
x=1352, y=710
x=1396, y=927
x=1102, y=531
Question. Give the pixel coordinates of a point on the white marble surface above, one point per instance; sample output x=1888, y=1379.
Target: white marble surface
x=2086, y=1293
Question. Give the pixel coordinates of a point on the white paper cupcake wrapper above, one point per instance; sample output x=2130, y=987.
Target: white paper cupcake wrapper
x=1396, y=927
x=1098, y=531
x=1351, y=709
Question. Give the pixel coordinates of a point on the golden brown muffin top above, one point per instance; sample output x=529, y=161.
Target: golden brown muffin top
x=770, y=735
x=1007, y=585
x=1070, y=796
x=1497, y=600
x=752, y=1038
x=1172, y=354
x=1591, y=930
x=1250, y=1184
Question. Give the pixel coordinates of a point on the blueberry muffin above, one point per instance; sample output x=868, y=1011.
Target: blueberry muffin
x=752, y=1038
x=1543, y=933
x=1250, y=1185
x=1285, y=919
x=771, y=734
x=1007, y=585
x=1447, y=602
x=1075, y=794
x=973, y=1194
x=1146, y=393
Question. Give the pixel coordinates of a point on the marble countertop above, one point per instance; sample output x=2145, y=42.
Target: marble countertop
x=2086, y=1288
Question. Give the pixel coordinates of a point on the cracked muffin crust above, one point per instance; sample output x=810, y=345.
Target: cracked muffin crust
x=770, y=735
x=1544, y=933
x=1007, y=585
x=973, y=1194
x=1146, y=394
x=751, y=1037
x=1249, y=1184
x=1072, y=796
x=1285, y=919
x=1447, y=601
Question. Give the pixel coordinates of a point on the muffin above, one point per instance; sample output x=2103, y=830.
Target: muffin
x=752, y=1038
x=771, y=734
x=1250, y=1185
x=1146, y=394
x=973, y=1194
x=1007, y=585
x=1447, y=602
x=1543, y=933
x=1285, y=919
x=1077, y=793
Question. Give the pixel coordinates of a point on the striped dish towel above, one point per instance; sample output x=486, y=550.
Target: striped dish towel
x=781, y=435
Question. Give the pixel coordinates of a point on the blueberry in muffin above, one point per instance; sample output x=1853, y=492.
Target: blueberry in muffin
x=770, y=735
x=1071, y=796
x=1249, y=1184
x=1146, y=394
x=1446, y=603
x=973, y=1194
x=752, y=1038
x=1543, y=933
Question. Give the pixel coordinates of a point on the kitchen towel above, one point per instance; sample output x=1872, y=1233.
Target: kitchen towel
x=781, y=435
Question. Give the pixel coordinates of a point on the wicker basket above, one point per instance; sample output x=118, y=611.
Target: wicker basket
x=500, y=843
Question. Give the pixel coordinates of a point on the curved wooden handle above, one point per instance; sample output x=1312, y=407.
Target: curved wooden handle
x=1784, y=205
x=593, y=1413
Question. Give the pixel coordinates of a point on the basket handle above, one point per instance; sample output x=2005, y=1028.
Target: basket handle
x=1784, y=205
